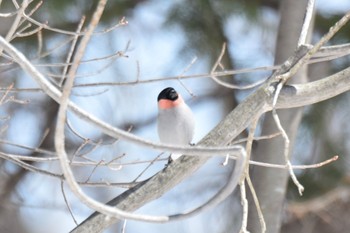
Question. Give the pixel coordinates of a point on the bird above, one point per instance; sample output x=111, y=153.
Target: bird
x=176, y=122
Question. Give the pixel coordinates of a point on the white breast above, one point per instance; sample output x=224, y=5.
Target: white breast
x=176, y=125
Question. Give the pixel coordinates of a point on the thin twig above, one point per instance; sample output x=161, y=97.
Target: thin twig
x=284, y=134
x=82, y=145
x=264, y=137
x=2, y=100
x=15, y=23
x=29, y=167
x=90, y=74
x=28, y=33
x=20, y=33
x=14, y=100
x=307, y=22
x=20, y=30
x=244, y=203
x=118, y=166
x=301, y=167
x=249, y=145
x=221, y=73
x=225, y=84
x=91, y=141
x=246, y=177
x=249, y=182
x=286, y=152
x=59, y=45
x=183, y=72
x=257, y=204
x=67, y=204
x=124, y=226
x=38, y=150
x=122, y=22
x=44, y=135
x=116, y=54
x=7, y=15
x=93, y=171
x=147, y=167
x=71, y=50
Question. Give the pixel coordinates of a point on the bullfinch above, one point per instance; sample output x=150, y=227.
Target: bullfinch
x=176, y=121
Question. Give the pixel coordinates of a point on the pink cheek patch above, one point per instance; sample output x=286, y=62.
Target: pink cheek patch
x=166, y=104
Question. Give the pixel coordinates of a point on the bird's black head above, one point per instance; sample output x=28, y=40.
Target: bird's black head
x=168, y=93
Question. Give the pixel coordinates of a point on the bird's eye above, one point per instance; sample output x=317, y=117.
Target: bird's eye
x=171, y=92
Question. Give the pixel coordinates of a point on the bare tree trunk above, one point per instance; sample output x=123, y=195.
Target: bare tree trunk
x=270, y=184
